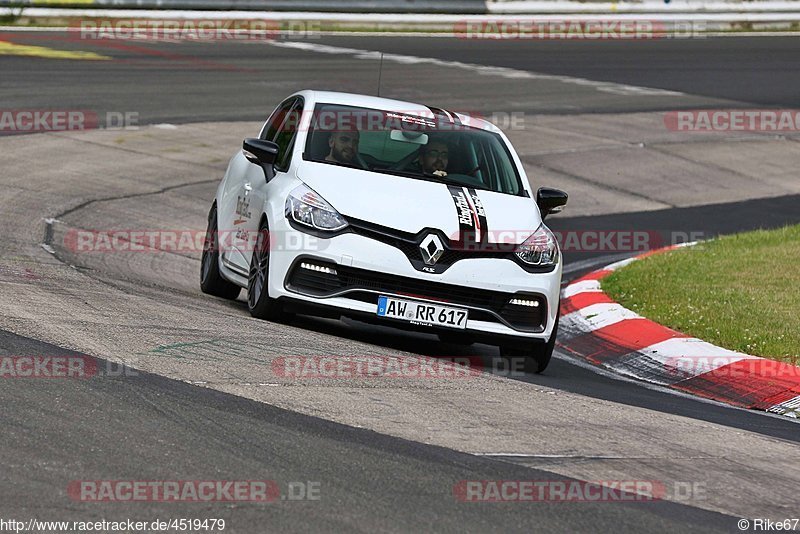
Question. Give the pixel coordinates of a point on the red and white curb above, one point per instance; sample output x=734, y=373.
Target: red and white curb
x=606, y=334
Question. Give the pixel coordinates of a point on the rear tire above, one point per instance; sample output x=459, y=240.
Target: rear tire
x=259, y=303
x=536, y=355
x=211, y=280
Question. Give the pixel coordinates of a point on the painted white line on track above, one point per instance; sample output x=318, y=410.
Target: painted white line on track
x=501, y=72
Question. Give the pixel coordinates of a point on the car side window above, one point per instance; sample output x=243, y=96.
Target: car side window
x=276, y=119
x=286, y=136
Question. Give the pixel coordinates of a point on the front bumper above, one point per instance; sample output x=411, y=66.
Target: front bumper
x=367, y=268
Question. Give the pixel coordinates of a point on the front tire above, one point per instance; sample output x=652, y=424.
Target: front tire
x=259, y=303
x=211, y=280
x=536, y=356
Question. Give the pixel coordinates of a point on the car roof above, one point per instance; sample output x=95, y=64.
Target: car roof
x=387, y=104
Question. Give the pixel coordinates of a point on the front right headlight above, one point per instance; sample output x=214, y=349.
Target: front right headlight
x=305, y=206
x=540, y=249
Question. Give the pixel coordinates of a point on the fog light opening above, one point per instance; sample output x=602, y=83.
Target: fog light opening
x=318, y=268
x=524, y=302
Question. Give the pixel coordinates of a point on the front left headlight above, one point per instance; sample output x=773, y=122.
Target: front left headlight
x=305, y=206
x=540, y=249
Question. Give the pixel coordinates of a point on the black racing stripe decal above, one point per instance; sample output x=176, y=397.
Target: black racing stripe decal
x=472, y=224
x=466, y=220
x=440, y=115
x=445, y=117
x=475, y=220
x=481, y=214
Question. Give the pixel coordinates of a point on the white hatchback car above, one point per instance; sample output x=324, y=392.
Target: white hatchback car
x=388, y=212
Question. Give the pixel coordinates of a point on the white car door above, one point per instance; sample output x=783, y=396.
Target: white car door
x=282, y=130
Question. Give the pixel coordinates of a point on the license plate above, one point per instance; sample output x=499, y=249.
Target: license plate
x=422, y=312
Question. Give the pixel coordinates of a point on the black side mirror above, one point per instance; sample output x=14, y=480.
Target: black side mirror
x=263, y=153
x=550, y=200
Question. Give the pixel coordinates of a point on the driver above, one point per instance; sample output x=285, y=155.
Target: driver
x=433, y=157
x=343, y=146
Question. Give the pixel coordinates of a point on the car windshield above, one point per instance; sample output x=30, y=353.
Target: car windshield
x=413, y=146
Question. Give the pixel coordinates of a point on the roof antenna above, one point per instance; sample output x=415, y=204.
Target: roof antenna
x=380, y=74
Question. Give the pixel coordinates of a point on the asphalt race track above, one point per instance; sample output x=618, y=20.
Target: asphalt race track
x=192, y=82
x=199, y=398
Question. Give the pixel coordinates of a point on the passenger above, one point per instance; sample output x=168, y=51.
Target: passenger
x=433, y=157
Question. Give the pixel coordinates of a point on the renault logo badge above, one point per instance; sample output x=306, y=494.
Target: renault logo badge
x=431, y=249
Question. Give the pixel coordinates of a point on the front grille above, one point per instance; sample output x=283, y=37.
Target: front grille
x=408, y=244
x=351, y=280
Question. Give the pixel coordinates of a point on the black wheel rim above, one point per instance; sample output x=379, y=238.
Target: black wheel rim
x=258, y=269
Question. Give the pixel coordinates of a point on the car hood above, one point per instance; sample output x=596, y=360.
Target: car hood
x=410, y=205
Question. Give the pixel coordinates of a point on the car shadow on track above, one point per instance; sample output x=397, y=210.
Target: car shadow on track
x=482, y=357
x=563, y=374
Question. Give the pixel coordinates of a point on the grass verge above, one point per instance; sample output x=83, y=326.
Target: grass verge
x=741, y=292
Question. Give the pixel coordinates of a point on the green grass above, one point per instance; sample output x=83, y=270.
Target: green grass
x=741, y=292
